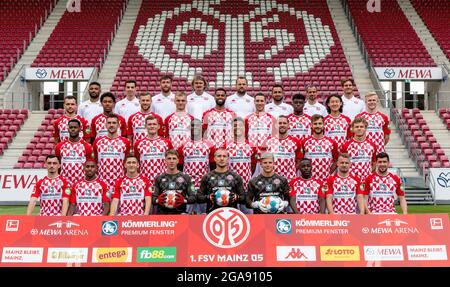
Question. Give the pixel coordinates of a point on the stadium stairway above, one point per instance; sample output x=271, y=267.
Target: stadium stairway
x=423, y=33
x=35, y=46
x=119, y=45
x=439, y=130
x=350, y=47
x=22, y=138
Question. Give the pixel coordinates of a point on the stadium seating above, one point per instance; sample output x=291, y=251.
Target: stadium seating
x=42, y=143
x=82, y=39
x=444, y=114
x=423, y=147
x=11, y=120
x=19, y=22
x=388, y=37
x=152, y=50
x=435, y=14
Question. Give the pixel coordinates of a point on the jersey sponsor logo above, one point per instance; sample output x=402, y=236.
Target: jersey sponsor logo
x=110, y=227
x=112, y=255
x=226, y=227
x=156, y=254
x=67, y=255
x=22, y=254
x=284, y=226
x=383, y=253
x=427, y=252
x=339, y=253
x=296, y=253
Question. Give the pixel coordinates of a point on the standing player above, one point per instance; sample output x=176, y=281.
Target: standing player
x=259, y=126
x=307, y=194
x=336, y=125
x=352, y=105
x=312, y=106
x=218, y=122
x=178, y=125
x=321, y=150
x=343, y=190
x=381, y=187
x=265, y=186
x=151, y=150
x=133, y=191
x=196, y=155
x=285, y=149
x=277, y=107
x=242, y=154
x=136, y=122
x=89, y=195
x=73, y=153
x=61, y=130
x=199, y=101
x=240, y=102
x=174, y=190
x=163, y=104
x=110, y=152
x=92, y=107
x=130, y=104
x=98, y=124
x=299, y=122
x=378, y=129
x=361, y=150
x=51, y=190
x=221, y=187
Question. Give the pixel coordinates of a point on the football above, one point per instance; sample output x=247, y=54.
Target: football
x=222, y=197
x=170, y=199
x=270, y=204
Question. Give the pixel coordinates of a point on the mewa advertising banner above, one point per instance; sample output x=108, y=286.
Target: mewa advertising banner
x=226, y=238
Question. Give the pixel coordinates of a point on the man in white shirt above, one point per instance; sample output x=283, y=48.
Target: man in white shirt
x=199, y=101
x=277, y=108
x=352, y=105
x=312, y=105
x=240, y=102
x=163, y=103
x=92, y=107
x=130, y=104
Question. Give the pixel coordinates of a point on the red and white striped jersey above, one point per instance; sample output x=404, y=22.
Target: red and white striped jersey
x=337, y=129
x=286, y=153
x=218, y=126
x=178, y=129
x=151, y=154
x=300, y=126
x=381, y=191
x=72, y=156
x=98, y=126
x=377, y=128
x=132, y=192
x=136, y=125
x=110, y=155
x=61, y=127
x=241, y=157
x=344, y=191
x=51, y=192
x=195, y=157
x=89, y=197
x=322, y=152
x=307, y=193
x=362, y=156
x=259, y=128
